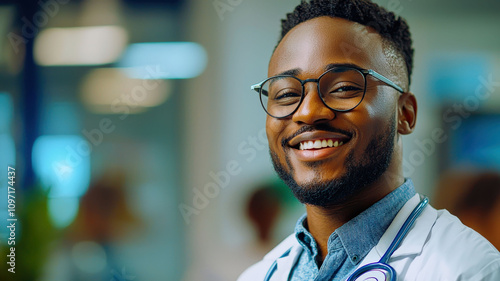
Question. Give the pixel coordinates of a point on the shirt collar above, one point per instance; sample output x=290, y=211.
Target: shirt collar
x=362, y=233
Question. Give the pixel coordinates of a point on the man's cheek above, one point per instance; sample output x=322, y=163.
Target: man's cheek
x=273, y=133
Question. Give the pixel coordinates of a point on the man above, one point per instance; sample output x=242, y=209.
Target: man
x=338, y=102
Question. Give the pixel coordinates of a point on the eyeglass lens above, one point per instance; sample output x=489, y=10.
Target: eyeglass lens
x=340, y=89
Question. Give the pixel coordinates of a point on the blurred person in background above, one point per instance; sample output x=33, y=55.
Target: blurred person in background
x=263, y=208
x=104, y=214
x=337, y=104
x=474, y=197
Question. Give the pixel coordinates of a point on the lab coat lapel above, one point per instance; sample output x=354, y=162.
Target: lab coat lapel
x=285, y=264
x=413, y=242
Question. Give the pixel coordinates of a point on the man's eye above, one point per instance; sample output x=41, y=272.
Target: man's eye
x=286, y=98
x=347, y=89
x=345, y=92
x=287, y=95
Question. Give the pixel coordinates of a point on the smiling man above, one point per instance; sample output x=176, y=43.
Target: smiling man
x=338, y=102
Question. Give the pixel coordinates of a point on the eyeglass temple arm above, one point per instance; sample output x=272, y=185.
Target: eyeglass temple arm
x=256, y=87
x=385, y=80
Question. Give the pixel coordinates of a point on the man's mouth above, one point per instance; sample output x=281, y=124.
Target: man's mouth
x=318, y=144
x=318, y=140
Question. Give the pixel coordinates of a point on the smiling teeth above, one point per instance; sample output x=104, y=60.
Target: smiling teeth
x=319, y=144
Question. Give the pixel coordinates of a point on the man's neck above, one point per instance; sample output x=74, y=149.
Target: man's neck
x=322, y=222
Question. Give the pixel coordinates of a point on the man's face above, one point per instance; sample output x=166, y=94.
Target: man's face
x=367, y=134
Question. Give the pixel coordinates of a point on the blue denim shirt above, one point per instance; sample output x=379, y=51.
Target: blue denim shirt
x=350, y=243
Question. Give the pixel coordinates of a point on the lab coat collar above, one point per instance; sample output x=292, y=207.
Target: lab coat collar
x=414, y=242
x=286, y=264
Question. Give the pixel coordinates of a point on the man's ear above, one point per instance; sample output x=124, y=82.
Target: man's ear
x=407, y=113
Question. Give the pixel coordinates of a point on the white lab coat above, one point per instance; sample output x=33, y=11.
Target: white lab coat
x=437, y=248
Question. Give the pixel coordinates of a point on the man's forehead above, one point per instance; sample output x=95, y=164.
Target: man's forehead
x=313, y=44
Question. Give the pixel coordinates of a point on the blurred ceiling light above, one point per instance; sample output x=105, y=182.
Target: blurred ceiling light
x=92, y=45
x=62, y=163
x=170, y=60
x=110, y=91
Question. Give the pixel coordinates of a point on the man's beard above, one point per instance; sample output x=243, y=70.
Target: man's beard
x=358, y=174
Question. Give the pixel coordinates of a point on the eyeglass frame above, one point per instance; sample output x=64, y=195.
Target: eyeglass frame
x=258, y=87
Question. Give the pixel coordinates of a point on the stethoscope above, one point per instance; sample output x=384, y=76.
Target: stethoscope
x=377, y=271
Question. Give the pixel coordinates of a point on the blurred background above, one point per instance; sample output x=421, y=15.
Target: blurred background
x=140, y=152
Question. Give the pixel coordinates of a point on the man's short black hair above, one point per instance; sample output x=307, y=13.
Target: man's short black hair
x=392, y=28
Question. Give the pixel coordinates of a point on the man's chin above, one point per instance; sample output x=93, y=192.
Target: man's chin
x=306, y=183
x=318, y=193
x=309, y=178
x=326, y=187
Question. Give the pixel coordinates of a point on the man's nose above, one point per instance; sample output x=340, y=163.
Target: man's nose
x=312, y=110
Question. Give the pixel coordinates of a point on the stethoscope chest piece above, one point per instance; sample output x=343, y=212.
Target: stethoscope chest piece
x=374, y=272
x=374, y=275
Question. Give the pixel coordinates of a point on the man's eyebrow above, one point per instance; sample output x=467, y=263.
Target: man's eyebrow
x=297, y=71
x=334, y=65
x=292, y=72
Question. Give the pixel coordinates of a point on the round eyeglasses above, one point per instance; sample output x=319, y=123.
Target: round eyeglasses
x=340, y=89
